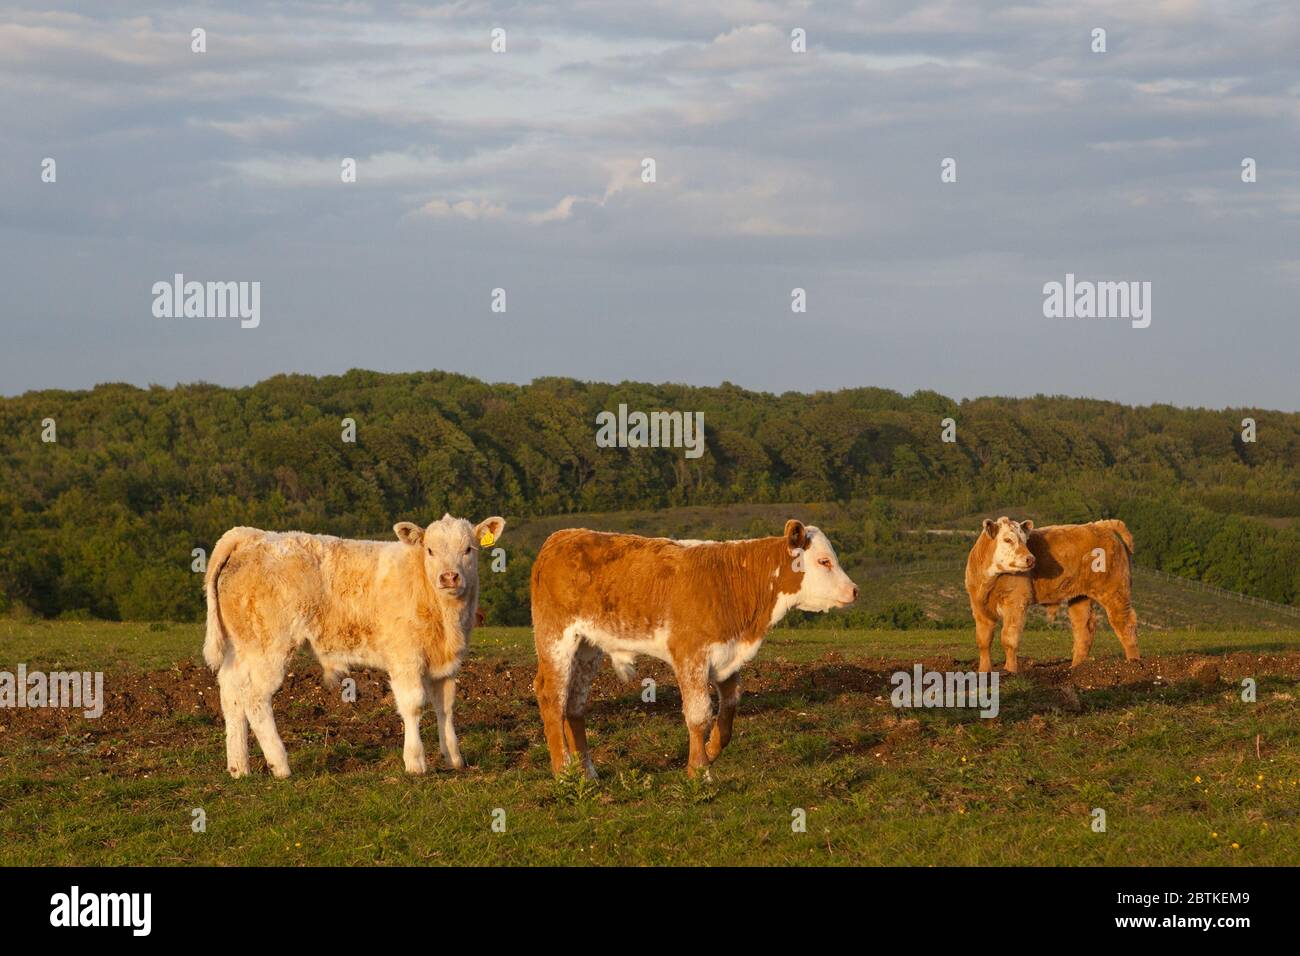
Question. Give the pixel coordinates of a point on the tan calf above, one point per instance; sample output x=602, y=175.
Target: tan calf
x=1013, y=565
x=703, y=607
x=405, y=606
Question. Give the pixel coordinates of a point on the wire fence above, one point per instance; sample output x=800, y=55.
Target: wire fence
x=1194, y=585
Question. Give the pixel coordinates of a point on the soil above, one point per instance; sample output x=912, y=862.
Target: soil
x=181, y=703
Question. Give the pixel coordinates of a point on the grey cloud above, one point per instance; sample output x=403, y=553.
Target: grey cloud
x=775, y=170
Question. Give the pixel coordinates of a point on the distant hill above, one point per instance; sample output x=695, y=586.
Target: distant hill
x=102, y=520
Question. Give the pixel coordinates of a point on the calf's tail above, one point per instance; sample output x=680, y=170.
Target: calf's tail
x=215, y=639
x=1121, y=529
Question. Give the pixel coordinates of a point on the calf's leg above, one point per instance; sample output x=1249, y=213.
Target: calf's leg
x=1083, y=625
x=1013, y=624
x=586, y=662
x=261, y=679
x=984, y=640
x=232, y=709
x=442, y=691
x=408, y=694
x=552, y=689
x=697, y=708
x=728, y=699
x=1124, y=620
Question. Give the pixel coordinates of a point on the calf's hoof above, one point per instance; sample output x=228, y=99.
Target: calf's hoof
x=280, y=772
x=416, y=767
x=237, y=772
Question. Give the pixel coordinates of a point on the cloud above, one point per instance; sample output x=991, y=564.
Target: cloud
x=560, y=211
x=775, y=170
x=1157, y=143
x=471, y=209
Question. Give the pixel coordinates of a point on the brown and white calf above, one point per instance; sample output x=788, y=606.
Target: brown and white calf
x=1013, y=565
x=701, y=606
x=405, y=606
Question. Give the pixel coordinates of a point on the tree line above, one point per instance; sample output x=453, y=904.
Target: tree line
x=103, y=519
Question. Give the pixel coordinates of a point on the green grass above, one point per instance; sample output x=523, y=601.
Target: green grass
x=878, y=785
x=97, y=645
x=806, y=644
x=106, y=645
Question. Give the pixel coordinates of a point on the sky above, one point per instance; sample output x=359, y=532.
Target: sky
x=522, y=170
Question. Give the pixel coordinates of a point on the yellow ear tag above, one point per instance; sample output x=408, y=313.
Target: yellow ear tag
x=487, y=540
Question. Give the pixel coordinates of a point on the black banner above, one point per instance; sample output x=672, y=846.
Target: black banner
x=335, y=905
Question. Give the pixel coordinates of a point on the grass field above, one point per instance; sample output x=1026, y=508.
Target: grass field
x=1186, y=772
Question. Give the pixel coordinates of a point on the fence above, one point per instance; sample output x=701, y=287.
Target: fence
x=1194, y=585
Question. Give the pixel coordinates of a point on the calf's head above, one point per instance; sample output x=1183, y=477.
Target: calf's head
x=824, y=584
x=1010, y=554
x=451, y=548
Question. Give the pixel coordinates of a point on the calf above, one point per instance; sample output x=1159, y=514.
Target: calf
x=702, y=607
x=1013, y=565
x=405, y=606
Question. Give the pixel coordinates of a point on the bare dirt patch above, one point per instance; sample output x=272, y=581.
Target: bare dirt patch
x=181, y=704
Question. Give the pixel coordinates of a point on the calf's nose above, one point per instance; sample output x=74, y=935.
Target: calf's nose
x=1029, y=561
x=449, y=579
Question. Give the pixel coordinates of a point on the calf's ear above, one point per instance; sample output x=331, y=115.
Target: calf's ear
x=796, y=538
x=488, y=531
x=990, y=527
x=408, y=533
x=1028, y=525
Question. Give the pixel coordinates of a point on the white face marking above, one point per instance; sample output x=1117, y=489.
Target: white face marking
x=825, y=585
x=1010, y=549
x=451, y=556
